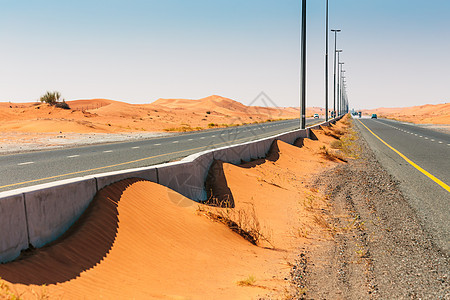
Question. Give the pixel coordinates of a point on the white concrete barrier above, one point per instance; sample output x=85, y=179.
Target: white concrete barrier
x=53, y=207
x=13, y=226
x=187, y=176
x=147, y=173
x=233, y=154
x=40, y=214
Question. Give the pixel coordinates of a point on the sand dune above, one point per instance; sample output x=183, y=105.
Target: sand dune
x=424, y=114
x=108, y=116
x=135, y=242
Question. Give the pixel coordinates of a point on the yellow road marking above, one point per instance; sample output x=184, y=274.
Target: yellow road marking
x=429, y=175
x=115, y=165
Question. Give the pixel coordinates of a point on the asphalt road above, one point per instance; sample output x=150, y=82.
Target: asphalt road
x=429, y=150
x=27, y=169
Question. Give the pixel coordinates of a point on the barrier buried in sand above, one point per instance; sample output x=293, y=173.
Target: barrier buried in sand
x=48, y=218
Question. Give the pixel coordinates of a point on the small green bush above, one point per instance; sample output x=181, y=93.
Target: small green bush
x=54, y=98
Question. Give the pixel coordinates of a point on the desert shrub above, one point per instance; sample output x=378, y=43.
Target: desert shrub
x=249, y=281
x=62, y=105
x=54, y=98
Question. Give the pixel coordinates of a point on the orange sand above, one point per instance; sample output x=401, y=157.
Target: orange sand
x=424, y=114
x=135, y=242
x=108, y=116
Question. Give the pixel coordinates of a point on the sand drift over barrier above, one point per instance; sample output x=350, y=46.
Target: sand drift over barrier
x=37, y=215
x=135, y=241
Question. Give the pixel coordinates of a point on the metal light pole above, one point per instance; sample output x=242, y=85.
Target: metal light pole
x=338, y=83
x=341, y=95
x=335, y=51
x=339, y=86
x=326, y=64
x=303, y=69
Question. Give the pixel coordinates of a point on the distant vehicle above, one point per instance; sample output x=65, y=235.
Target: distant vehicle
x=374, y=116
x=316, y=116
x=359, y=114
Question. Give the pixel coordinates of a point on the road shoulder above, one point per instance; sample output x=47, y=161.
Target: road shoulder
x=380, y=249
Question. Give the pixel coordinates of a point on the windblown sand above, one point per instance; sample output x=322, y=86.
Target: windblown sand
x=424, y=114
x=28, y=126
x=137, y=240
x=108, y=116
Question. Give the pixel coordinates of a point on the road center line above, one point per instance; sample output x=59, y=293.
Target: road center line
x=135, y=147
x=156, y=144
x=26, y=163
x=107, y=151
x=72, y=156
x=429, y=175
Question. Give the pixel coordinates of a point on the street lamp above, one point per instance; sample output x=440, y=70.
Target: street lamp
x=335, y=51
x=303, y=69
x=339, y=86
x=341, y=98
x=326, y=64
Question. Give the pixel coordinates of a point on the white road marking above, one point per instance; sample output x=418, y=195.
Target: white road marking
x=174, y=142
x=426, y=138
x=440, y=142
x=432, y=140
x=107, y=151
x=202, y=138
x=213, y=136
x=420, y=136
x=156, y=144
x=26, y=163
x=135, y=147
x=190, y=139
x=72, y=156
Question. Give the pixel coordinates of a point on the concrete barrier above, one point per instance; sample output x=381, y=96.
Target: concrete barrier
x=40, y=214
x=147, y=173
x=13, y=226
x=52, y=208
x=233, y=154
x=187, y=176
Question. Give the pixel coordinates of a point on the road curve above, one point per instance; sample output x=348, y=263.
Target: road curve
x=420, y=159
x=27, y=169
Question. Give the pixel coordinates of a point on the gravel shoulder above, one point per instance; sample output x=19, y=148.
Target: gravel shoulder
x=378, y=249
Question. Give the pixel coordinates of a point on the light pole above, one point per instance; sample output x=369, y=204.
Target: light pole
x=339, y=85
x=335, y=51
x=341, y=98
x=326, y=64
x=338, y=82
x=303, y=69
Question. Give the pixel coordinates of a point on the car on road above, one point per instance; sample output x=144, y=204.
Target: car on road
x=374, y=116
x=316, y=116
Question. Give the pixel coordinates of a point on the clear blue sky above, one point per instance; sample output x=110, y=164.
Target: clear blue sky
x=396, y=53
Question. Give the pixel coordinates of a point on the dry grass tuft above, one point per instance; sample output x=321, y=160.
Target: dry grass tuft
x=249, y=281
x=242, y=221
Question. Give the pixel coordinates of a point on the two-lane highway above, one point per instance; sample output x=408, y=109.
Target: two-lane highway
x=420, y=159
x=26, y=169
